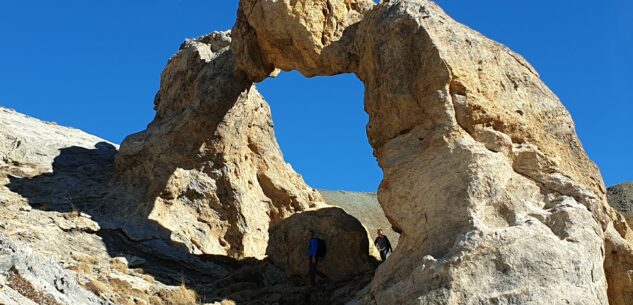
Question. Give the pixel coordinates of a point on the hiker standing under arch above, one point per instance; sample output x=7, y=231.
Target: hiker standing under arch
x=383, y=245
x=316, y=251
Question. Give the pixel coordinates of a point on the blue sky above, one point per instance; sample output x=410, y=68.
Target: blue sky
x=96, y=65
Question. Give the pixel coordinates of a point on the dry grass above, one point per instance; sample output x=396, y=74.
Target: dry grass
x=149, y=278
x=119, y=266
x=22, y=286
x=74, y=211
x=82, y=268
x=177, y=296
x=82, y=258
x=125, y=293
x=120, y=285
x=97, y=287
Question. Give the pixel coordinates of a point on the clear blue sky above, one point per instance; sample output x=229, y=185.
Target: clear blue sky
x=95, y=65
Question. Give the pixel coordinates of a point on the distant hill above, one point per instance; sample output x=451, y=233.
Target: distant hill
x=366, y=208
x=621, y=198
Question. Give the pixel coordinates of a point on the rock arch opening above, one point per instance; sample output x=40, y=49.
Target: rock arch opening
x=320, y=127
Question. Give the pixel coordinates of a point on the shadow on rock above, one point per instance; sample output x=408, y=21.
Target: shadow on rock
x=83, y=181
x=76, y=183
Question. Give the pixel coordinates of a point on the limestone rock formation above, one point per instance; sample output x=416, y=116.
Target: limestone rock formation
x=28, y=278
x=209, y=167
x=621, y=199
x=484, y=175
x=365, y=208
x=349, y=252
x=21, y=135
x=271, y=35
x=51, y=250
x=59, y=243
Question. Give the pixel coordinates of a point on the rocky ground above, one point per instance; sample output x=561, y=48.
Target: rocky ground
x=56, y=249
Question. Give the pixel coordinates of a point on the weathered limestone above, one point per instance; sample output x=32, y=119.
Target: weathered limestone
x=484, y=175
x=60, y=239
x=349, y=251
x=21, y=135
x=286, y=34
x=27, y=277
x=209, y=166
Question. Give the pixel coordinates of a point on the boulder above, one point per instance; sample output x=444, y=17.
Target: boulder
x=484, y=175
x=349, y=252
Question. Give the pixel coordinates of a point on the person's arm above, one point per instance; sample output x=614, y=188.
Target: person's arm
x=389, y=249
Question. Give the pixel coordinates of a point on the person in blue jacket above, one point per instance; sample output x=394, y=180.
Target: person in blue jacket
x=313, y=255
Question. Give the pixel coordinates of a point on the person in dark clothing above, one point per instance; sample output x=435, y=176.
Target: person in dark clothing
x=314, y=258
x=383, y=245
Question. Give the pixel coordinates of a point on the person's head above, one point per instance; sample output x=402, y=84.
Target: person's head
x=310, y=234
x=379, y=232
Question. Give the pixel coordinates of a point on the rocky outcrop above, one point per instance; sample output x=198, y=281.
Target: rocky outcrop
x=29, y=278
x=484, y=175
x=349, y=252
x=59, y=243
x=53, y=247
x=621, y=199
x=365, y=208
x=21, y=135
x=273, y=35
x=208, y=168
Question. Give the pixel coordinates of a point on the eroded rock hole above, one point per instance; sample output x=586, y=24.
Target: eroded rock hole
x=320, y=127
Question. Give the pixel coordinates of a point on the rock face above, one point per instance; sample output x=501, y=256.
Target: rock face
x=60, y=244
x=272, y=35
x=621, y=199
x=208, y=167
x=28, y=278
x=21, y=135
x=484, y=175
x=365, y=208
x=349, y=252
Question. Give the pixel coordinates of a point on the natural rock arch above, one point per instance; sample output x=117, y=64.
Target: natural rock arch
x=458, y=123
x=483, y=172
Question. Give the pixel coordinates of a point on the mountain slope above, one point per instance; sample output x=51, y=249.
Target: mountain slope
x=366, y=208
x=621, y=199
